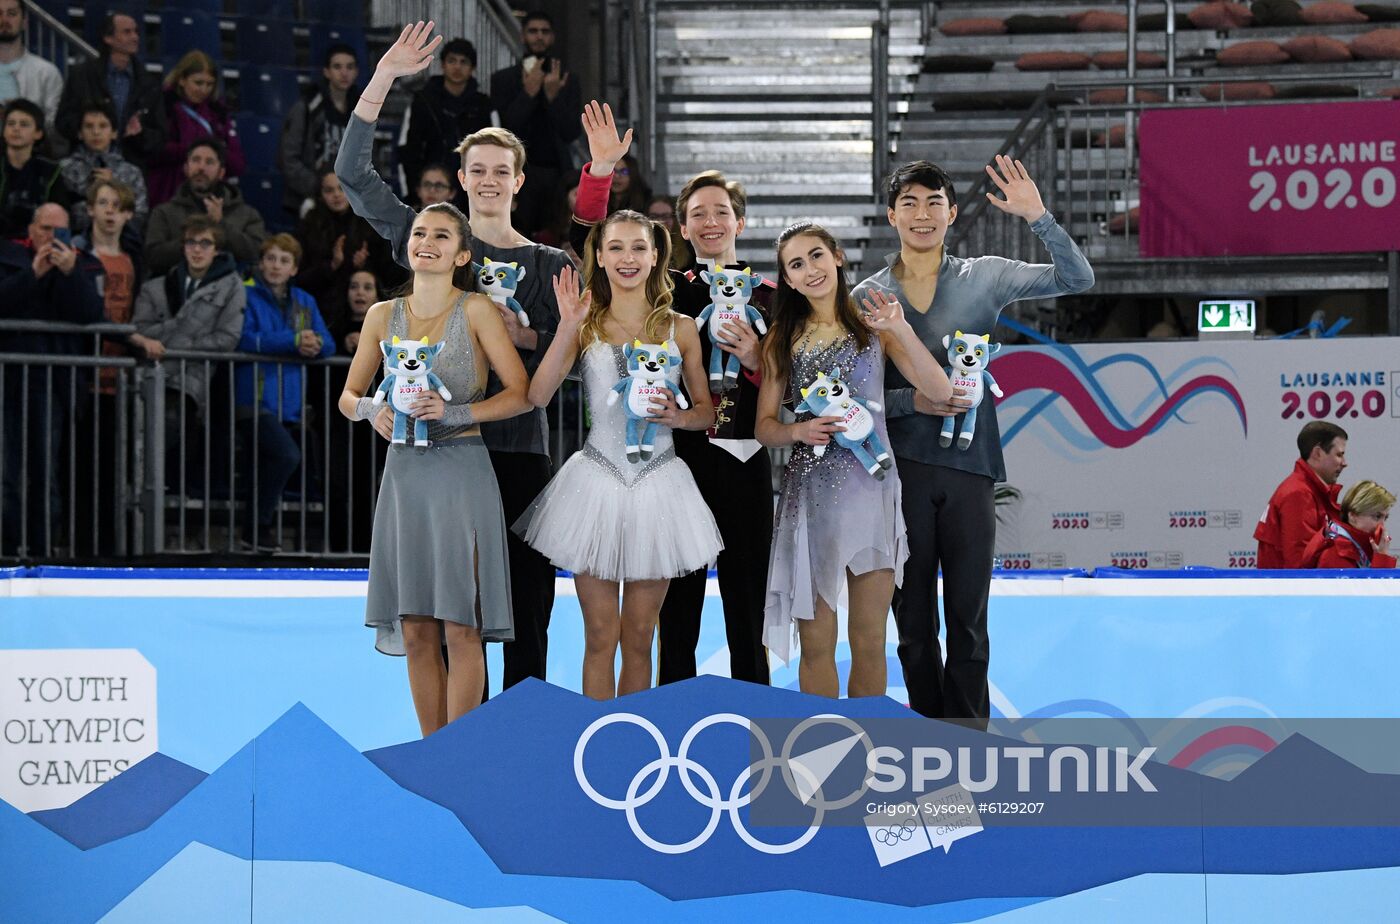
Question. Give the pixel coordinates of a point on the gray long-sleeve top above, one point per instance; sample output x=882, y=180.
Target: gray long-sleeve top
x=373, y=200
x=970, y=295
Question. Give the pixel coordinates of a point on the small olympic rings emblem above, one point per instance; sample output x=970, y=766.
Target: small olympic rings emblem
x=810, y=792
x=894, y=834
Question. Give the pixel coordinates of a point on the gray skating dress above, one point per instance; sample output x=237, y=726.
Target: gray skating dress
x=439, y=509
x=832, y=515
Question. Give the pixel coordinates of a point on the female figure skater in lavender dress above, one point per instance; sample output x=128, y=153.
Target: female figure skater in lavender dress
x=611, y=516
x=838, y=525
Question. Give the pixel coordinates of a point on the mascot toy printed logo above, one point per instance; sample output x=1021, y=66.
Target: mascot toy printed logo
x=408, y=374
x=648, y=365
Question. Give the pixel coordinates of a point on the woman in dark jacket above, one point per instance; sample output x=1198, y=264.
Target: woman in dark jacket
x=335, y=243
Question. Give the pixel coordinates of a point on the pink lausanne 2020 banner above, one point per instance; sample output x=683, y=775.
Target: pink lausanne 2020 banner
x=1251, y=180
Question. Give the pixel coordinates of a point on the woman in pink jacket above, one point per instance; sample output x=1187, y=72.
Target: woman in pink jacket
x=191, y=112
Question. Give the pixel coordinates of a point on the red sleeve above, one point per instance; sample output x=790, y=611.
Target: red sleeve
x=1337, y=555
x=1298, y=522
x=1382, y=560
x=591, y=206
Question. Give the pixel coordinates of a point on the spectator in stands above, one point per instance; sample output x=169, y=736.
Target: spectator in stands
x=361, y=291
x=312, y=130
x=281, y=320
x=42, y=279
x=1306, y=500
x=335, y=243
x=97, y=157
x=113, y=243
x=191, y=112
x=662, y=209
x=540, y=104
x=110, y=205
x=1361, y=538
x=26, y=179
x=629, y=190
x=117, y=81
x=204, y=192
x=197, y=305
x=436, y=183
x=24, y=75
x=450, y=107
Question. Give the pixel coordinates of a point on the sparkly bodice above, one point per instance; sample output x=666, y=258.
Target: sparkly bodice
x=862, y=370
x=456, y=365
x=602, y=366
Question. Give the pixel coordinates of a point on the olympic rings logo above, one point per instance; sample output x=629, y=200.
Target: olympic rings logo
x=711, y=797
x=894, y=834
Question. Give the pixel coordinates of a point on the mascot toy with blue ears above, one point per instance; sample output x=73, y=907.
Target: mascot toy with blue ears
x=408, y=373
x=498, y=282
x=730, y=291
x=968, y=355
x=647, y=364
x=828, y=396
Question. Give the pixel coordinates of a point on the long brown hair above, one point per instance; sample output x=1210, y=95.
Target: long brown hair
x=659, y=290
x=791, y=311
x=193, y=62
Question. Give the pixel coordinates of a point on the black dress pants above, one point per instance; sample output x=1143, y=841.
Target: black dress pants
x=950, y=516
x=740, y=495
x=522, y=476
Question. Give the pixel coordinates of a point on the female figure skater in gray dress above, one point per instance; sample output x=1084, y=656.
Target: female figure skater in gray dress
x=838, y=521
x=438, y=563
x=616, y=517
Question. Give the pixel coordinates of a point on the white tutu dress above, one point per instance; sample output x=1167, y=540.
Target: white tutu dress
x=604, y=516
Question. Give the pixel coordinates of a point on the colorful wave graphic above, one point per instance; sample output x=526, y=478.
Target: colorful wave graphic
x=1035, y=370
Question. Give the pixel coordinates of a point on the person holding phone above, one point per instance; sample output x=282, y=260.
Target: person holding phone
x=539, y=102
x=42, y=278
x=1361, y=538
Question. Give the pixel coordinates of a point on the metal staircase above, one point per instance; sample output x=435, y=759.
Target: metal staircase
x=779, y=96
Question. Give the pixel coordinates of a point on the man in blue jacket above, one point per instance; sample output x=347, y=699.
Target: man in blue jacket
x=280, y=320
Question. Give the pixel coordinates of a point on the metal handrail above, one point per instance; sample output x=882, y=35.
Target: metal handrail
x=34, y=12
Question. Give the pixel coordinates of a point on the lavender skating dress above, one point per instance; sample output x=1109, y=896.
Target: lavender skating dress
x=832, y=515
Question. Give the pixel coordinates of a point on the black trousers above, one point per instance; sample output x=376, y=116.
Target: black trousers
x=740, y=494
x=951, y=519
x=522, y=476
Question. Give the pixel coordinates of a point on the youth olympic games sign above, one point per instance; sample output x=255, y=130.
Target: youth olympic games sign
x=71, y=720
x=1161, y=455
x=1270, y=179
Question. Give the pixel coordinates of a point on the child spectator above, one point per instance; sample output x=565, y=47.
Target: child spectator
x=97, y=157
x=361, y=291
x=312, y=130
x=281, y=320
x=629, y=190
x=26, y=179
x=662, y=210
x=191, y=112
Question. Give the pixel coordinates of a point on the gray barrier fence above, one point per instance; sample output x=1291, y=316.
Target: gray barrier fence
x=110, y=457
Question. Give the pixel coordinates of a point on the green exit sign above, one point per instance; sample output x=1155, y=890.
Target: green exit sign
x=1226, y=315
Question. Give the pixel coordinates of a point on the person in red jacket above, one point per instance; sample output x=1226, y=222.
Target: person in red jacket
x=1306, y=500
x=1361, y=538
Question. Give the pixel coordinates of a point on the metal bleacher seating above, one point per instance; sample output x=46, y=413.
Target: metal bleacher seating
x=269, y=44
x=267, y=91
x=324, y=35
x=259, y=135
x=182, y=31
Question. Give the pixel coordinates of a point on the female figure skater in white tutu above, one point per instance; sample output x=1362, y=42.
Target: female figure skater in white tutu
x=624, y=513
